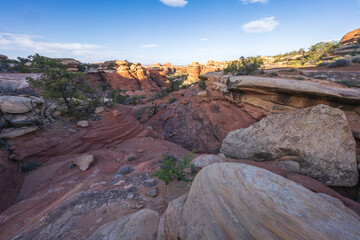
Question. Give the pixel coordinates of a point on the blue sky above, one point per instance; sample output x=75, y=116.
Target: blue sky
x=176, y=31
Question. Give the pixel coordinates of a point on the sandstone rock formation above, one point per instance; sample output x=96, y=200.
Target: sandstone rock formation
x=110, y=131
x=17, y=132
x=84, y=161
x=238, y=201
x=205, y=160
x=10, y=181
x=351, y=37
x=319, y=138
x=15, y=80
x=2, y=57
x=72, y=64
x=16, y=104
x=139, y=225
x=83, y=124
x=199, y=123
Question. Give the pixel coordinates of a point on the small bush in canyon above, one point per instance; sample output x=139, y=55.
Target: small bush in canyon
x=244, y=66
x=174, y=169
x=68, y=89
x=340, y=63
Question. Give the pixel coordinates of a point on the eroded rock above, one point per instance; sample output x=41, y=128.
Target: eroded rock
x=238, y=201
x=319, y=137
x=139, y=225
x=84, y=161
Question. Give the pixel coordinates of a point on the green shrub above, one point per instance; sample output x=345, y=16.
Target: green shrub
x=318, y=51
x=29, y=166
x=66, y=88
x=356, y=60
x=202, y=85
x=273, y=74
x=173, y=169
x=171, y=100
x=116, y=97
x=244, y=66
x=340, y=63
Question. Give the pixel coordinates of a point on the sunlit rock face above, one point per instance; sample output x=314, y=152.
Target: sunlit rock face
x=351, y=37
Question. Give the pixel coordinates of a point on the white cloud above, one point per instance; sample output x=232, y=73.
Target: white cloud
x=31, y=43
x=174, y=3
x=149, y=46
x=261, y=25
x=203, y=39
x=254, y=1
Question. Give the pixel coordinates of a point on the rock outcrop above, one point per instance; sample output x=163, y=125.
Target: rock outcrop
x=72, y=64
x=112, y=130
x=199, y=123
x=2, y=57
x=238, y=201
x=318, y=138
x=140, y=225
x=17, y=104
x=351, y=37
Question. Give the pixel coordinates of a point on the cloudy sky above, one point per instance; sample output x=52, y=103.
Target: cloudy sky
x=176, y=31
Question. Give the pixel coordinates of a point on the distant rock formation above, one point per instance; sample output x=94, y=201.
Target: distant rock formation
x=351, y=37
x=3, y=57
x=72, y=64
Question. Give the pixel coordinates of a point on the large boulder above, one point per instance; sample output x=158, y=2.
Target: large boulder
x=318, y=138
x=239, y=201
x=16, y=104
x=139, y=225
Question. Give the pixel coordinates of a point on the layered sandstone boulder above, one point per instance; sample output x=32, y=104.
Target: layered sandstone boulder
x=17, y=104
x=238, y=201
x=319, y=140
x=351, y=37
x=139, y=225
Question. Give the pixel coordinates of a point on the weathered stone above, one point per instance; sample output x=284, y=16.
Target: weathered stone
x=202, y=94
x=15, y=104
x=239, y=201
x=17, y=132
x=205, y=160
x=84, y=161
x=152, y=192
x=83, y=124
x=139, y=225
x=290, y=166
x=319, y=137
x=99, y=110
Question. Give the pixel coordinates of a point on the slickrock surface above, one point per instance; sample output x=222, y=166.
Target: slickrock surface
x=238, y=201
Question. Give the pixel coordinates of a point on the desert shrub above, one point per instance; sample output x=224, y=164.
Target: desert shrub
x=116, y=96
x=171, y=100
x=356, y=60
x=29, y=166
x=318, y=51
x=68, y=89
x=340, y=63
x=273, y=74
x=244, y=66
x=202, y=85
x=322, y=64
x=174, y=169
